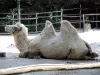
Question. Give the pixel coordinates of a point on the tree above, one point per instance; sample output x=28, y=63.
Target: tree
x=40, y=5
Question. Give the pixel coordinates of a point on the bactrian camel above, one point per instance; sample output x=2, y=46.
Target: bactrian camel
x=65, y=45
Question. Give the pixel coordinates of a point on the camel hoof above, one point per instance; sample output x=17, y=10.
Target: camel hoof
x=94, y=55
x=86, y=58
x=34, y=55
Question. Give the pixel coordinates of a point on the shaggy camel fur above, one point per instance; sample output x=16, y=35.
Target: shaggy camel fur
x=67, y=44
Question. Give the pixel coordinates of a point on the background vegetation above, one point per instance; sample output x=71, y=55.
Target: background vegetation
x=32, y=6
x=39, y=5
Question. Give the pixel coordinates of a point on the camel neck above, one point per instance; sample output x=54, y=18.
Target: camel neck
x=21, y=41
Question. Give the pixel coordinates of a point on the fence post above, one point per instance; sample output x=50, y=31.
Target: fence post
x=96, y=19
x=51, y=15
x=80, y=15
x=13, y=18
x=83, y=20
x=61, y=14
x=36, y=22
x=86, y=25
x=19, y=14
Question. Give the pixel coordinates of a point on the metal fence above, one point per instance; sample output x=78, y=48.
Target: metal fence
x=36, y=21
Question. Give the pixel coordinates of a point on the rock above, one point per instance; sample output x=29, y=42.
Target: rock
x=2, y=54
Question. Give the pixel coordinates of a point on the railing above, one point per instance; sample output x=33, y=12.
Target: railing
x=36, y=21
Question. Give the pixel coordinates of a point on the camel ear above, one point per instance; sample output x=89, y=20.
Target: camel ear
x=19, y=25
x=48, y=31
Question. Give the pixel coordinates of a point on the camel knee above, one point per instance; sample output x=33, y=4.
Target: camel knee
x=34, y=55
x=31, y=55
x=24, y=54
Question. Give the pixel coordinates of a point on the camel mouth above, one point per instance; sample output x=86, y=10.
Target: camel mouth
x=6, y=29
x=9, y=29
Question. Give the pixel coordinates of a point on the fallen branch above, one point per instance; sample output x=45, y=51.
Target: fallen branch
x=48, y=67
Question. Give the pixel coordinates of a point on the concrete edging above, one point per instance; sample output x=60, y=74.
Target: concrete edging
x=48, y=67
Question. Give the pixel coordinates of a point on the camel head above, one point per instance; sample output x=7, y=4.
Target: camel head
x=13, y=29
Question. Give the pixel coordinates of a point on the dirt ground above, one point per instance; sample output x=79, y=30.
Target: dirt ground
x=12, y=59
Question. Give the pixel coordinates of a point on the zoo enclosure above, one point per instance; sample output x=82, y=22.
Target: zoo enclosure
x=36, y=21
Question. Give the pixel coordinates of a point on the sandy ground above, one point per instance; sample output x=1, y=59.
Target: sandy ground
x=12, y=60
x=74, y=72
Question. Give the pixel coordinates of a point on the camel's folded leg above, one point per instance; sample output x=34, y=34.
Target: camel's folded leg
x=90, y=53
x=92, y=56
x=23, y=54
x=86, y=58
x=30, y=55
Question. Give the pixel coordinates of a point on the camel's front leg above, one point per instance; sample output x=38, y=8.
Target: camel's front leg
x=35, y=55
x=23, y=54
x=30, y=55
